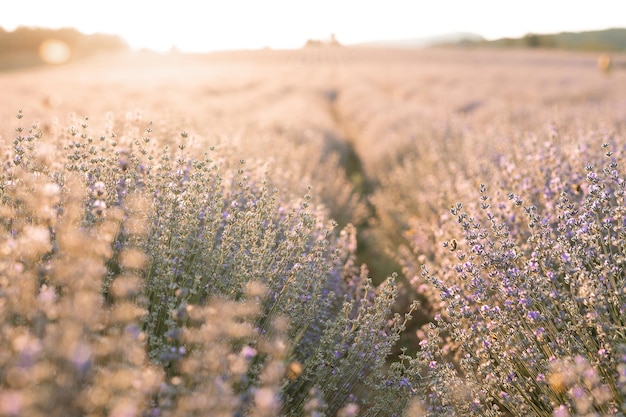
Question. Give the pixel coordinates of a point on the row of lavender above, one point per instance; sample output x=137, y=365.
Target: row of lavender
x=138, y=280
x=508, y=219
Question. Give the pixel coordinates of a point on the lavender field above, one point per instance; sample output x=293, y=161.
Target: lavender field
x=319, y=232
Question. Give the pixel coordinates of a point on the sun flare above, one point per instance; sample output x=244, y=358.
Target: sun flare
x=54, y=51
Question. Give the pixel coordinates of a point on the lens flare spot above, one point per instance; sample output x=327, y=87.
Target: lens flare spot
x=604, y=63
x=54, y=51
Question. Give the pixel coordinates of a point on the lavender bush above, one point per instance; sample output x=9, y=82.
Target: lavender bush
x=148, y=282
x=534, y=304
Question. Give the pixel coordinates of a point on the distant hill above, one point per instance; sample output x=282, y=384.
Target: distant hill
x=457, y=38
x=20, y=48
x=609, y=40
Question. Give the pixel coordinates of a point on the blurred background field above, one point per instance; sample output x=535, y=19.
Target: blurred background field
x=374, y=111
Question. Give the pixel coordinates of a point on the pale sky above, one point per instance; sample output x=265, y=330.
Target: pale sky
x=206, y=25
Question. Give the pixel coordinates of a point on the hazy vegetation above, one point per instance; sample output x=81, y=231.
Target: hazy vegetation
x=20, y=47
x=609, y=40
x=329, y=231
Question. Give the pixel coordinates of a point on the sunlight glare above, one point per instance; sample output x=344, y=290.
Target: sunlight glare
x=192, y=26
x=54, y=51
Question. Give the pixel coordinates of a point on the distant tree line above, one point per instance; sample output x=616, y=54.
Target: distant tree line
x=610, y=40
x=19, y=48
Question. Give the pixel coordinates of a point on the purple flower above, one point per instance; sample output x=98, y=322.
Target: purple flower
x=561, y=411
x=534, y=315
x=405, y=383
x=248, y=352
